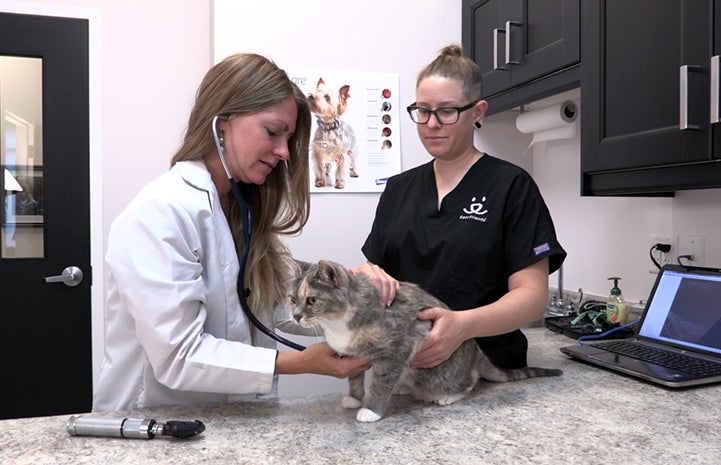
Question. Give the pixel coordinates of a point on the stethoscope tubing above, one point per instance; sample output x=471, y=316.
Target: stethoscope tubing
x=247, y=235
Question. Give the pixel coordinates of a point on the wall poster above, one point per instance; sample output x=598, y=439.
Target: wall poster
x=355, y=140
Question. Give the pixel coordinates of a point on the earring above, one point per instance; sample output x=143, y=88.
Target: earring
x=477, y=124
x=221, y=140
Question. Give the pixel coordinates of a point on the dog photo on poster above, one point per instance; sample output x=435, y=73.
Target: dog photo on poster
x=355, y=140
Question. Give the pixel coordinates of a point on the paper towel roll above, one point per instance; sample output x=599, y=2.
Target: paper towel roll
x=550, y=123
x=545, y=119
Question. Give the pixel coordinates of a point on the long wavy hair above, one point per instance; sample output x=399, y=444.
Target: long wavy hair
x=243, y=84
x=450, y=63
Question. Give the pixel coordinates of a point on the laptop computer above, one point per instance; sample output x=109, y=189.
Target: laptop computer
x=681, y=323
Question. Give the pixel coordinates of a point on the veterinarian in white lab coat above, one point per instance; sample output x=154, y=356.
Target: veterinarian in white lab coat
x=175, y=330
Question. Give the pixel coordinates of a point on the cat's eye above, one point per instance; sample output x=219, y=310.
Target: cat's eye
x=292, y=299
x=310, y=300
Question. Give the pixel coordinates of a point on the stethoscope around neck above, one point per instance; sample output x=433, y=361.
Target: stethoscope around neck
x=244, y=204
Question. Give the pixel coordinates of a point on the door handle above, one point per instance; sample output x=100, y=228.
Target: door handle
x=71, y=277
x=509, y=25
x=497, y=31
x=715, y=117
x=507, y=33
x=683, y=121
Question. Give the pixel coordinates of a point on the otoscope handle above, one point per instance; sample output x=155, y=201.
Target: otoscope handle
x=141, y=428
x=110, y=427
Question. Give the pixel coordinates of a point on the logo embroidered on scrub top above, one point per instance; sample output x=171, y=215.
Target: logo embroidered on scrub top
x=475, y=210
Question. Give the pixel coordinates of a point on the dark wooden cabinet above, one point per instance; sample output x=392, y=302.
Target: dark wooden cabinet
x=526, y=49
x=649, y=77
x=646, y=96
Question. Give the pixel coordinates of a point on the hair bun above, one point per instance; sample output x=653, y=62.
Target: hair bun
x=452, y=50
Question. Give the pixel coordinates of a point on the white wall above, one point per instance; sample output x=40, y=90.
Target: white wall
x=397, y=37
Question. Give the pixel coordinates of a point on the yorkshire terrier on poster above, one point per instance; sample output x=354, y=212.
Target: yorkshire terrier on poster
x=333, y=144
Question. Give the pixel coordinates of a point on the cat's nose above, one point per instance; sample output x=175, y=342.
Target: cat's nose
x=297, y=316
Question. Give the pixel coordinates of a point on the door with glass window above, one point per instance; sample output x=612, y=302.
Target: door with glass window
x=45, y=275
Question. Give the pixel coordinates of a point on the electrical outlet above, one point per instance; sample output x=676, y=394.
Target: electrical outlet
x=663, y=258
x=693, y=247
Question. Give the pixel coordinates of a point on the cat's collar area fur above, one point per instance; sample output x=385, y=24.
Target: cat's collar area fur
x=337, y=335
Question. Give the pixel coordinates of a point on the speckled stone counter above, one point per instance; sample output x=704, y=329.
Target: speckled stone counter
x=587, y=416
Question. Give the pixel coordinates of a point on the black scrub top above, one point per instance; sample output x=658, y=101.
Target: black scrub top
x=491, y=225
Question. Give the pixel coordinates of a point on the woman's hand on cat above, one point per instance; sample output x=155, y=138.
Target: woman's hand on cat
x=386, y=284
x=446, y=335
x=320, y=359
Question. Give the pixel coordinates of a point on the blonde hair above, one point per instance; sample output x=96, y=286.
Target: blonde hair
x=450, y=63
x=244, y=84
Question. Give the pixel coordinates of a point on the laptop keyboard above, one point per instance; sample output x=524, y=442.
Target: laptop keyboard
x=665, y=358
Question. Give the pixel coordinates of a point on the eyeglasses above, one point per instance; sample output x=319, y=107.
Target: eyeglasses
x=444, y=115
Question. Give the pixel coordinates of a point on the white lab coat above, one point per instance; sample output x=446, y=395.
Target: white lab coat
x=175, y=331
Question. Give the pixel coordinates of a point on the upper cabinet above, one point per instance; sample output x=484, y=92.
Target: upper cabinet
x=526, y=49
x=649, y=77
x=650, y=96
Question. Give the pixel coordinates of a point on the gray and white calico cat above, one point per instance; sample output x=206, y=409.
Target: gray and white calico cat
x=347, y=308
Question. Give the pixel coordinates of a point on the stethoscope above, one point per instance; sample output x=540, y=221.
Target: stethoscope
x=247, y=231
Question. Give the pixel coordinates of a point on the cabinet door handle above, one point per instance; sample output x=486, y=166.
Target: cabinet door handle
x=508, y=42
x=683, y=123
x=715, y=90
x=683, y=97
x=497, y=31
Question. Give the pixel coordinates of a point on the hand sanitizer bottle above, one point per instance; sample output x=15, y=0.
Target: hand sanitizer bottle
x=616, y=308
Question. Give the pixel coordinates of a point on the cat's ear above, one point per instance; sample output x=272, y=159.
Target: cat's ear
x=301, y=266
x=331, y=273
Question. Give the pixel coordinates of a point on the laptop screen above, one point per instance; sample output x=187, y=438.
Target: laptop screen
x=685, y=310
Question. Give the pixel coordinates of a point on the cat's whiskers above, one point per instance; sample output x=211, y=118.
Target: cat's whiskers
x=317, y=327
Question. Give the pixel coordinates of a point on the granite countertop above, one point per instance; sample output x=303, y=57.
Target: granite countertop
x=588, y=416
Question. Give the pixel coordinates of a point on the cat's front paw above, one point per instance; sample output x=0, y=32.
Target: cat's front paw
x=367, y=416
x=450, y=399
x=350, y=402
